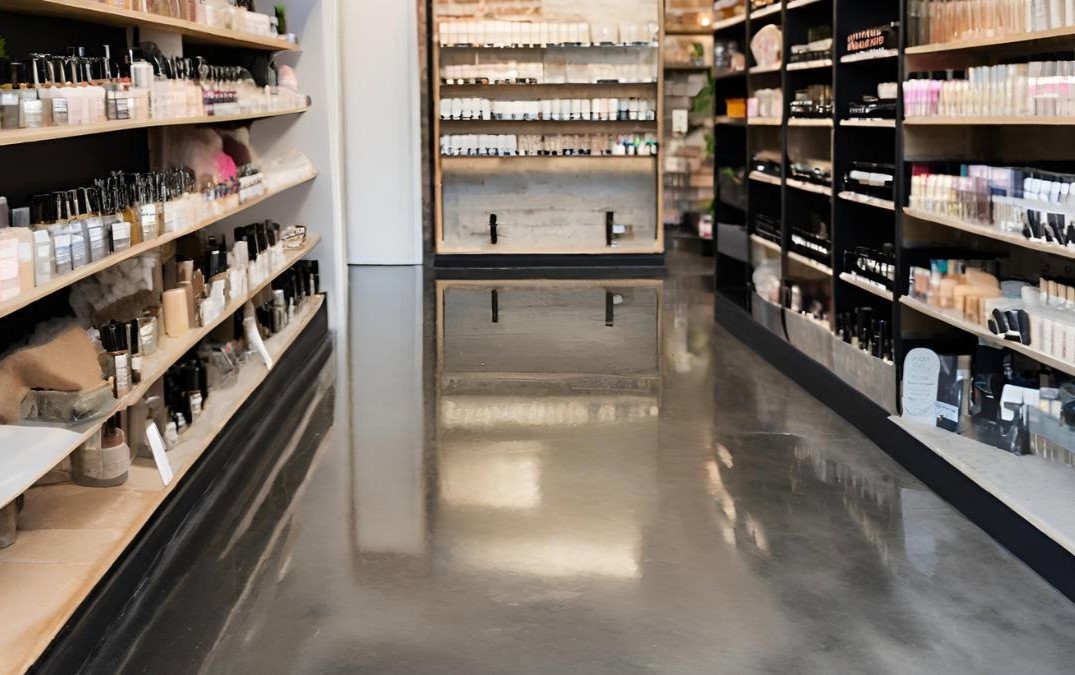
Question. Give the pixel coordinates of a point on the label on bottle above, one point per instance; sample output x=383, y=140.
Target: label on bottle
x=136, y=368
x=121, y=236
x=59, y=111
x=9, y=269
x=195, y=404
x=148, y=214
x=63, y=252
x=123, y=375
x=26, y=252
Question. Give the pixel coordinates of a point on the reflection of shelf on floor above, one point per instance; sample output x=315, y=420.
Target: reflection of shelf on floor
x=760, y=177
x=809, y=262
x=867, y=285
x=18, y=473
x=809, y=187
x=989, y=232
x=871, y=55
x=1035, y=488
x=125, y=510
x=956, y=321
x=849, y=196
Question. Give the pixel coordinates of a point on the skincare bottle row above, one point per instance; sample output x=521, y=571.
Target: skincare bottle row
x=557, y=109
x=766, y=103
x=75, y=90
x=532, y=145
x=544, y=34
x=1038, y=205
x=643, y=71
x=941, y=21
x=862, y=329
x=228, y=14
x=1038, y=88
x=872, y=265
x=61, y=232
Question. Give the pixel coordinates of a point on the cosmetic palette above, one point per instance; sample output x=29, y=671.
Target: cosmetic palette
x=814, y=101
x=873, y=265
x=816, y=172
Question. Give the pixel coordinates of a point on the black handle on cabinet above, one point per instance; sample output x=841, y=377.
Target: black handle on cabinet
x=610, y=309
x=493, y=235
x=494, y=302
x=610, y=218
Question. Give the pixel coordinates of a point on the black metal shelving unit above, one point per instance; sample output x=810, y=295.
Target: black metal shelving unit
x=869, y=399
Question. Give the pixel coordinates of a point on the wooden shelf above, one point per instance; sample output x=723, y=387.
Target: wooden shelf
x=811, y=65
x=759, y=177
x=989, y=232
x=764, y=121
x=1028, y=120
x=809, y=187
x=954, y=319
x=61, y=282
x=643, y=161
x=871, y=55
x=108, y=519
x=1037, y=489
x=766, y=11
x=754, y=70
x=20, y=136
x=809, y=122
x=639, y=45
x=1064, y=34
x=98, y=12
x=795, y=4
x=730, y=121
x=867, y=285
x=765, y=243
x=877, y=124
x=20, y=471
x=723, y=24
x=849, y=196
x=648, y=86
x=809, y=262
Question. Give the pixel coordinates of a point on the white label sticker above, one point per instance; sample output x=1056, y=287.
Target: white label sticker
x=160, y=456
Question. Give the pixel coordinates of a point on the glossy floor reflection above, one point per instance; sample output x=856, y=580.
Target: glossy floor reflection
x=592, y=478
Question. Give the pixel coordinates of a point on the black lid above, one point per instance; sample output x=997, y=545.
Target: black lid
x=114, y=336
x=41, y=208
x=216, y=262
x=18, y=73
x=136, y=336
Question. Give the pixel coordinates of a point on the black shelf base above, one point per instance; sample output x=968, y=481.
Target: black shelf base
x=1046, y=557
x=111, y=619
x=603, y=265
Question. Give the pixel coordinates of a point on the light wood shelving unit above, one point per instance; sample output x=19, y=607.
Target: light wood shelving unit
x=100, y=13
x=538, y=219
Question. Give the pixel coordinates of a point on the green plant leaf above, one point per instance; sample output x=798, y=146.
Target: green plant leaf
x=3, y=48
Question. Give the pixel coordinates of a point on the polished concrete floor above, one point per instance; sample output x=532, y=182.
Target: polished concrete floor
x=558, y=477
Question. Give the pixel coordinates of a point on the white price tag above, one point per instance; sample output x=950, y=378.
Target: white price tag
x=160, y=456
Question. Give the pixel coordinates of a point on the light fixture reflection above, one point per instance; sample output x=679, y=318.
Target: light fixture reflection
x=503, y=475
